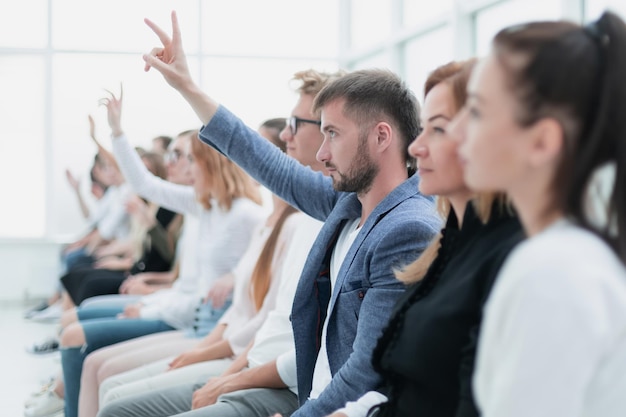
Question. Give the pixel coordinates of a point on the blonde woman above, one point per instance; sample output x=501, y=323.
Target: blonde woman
x=227, y=204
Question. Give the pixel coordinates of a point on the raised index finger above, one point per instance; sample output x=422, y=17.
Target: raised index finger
x=164, y=37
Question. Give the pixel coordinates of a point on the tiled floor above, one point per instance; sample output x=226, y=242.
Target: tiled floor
x=22, y=373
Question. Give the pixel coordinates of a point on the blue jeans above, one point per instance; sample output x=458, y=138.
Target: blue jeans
x=76, y=258
x=91, y=313
x=206, y=319
x=116, y=300
x=99, y=332
x=102, y=328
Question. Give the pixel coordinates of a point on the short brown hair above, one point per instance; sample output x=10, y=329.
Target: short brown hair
x=373, y=95
x=312, y=81
x=274, y=127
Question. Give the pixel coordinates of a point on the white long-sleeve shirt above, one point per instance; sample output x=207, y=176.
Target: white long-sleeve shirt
x=114, y=223
x=223, y=235
x=274, y=340
x=553, y=340
x=242, y=318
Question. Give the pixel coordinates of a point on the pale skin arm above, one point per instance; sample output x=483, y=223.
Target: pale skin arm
x=95, y=241
x=75, y=184
x=240, y=362
x=131, y=311
x=220, y=291
x=82, y=242
x=117, y=264
x=212, y=347
x=171, y=62
x=114, y=248
x=147, y=282
x=264, y=376
x=101, y=149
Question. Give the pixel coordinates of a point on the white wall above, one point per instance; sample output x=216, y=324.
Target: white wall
x=30, y=268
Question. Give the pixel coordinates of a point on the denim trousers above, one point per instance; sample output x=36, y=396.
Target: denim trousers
x=99, y=332
x=206, y=318
x=102, y=328
x=76, y=258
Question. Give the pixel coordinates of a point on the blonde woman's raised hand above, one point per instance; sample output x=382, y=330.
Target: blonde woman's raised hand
x=113, y=105
x=169, y=59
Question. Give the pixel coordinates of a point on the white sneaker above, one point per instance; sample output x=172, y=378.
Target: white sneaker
x=50, y=314
x=34, y=396
x=45, y=405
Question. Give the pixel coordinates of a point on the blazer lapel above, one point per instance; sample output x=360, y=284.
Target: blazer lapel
x=404, y=191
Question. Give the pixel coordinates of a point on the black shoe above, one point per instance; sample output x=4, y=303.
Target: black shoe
x=48, y=346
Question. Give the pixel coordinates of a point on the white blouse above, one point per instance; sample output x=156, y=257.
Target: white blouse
x=223, y=235
x=242, y=318
x=553, y=340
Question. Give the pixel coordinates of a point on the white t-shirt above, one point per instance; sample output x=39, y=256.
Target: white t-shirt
x=115, y=222
x=322, y=375
x=553, y=340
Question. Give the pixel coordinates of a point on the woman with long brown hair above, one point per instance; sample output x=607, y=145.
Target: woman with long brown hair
x=545, y=118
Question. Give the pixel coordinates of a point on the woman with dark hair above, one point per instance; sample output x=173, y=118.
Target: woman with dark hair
x=426, y=354
x=544, y=118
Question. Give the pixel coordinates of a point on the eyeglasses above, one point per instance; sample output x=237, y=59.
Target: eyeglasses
x=294, y=121
x=172, y=156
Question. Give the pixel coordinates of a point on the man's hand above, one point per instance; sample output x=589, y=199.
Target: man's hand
x=170, y=59
x=187, y=358
x=208, y=394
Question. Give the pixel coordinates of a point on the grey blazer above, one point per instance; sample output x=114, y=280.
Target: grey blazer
x=365, y=291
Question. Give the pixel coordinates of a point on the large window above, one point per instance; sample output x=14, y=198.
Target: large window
x=54, y=66
x=22, y=146
x=490, y=20
x=593, y=8
x=424, y=54
x=57, y=57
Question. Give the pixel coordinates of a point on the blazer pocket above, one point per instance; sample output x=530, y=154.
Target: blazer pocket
x=351, y=300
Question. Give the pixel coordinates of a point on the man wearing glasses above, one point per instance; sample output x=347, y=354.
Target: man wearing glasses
x=375, y=220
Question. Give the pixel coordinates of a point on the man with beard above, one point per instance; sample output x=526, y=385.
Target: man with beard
x=375, y=220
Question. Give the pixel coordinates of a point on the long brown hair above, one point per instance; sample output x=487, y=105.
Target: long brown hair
x=456, y=75
x=262, y=274
x=224, y=181
x=575, y=75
